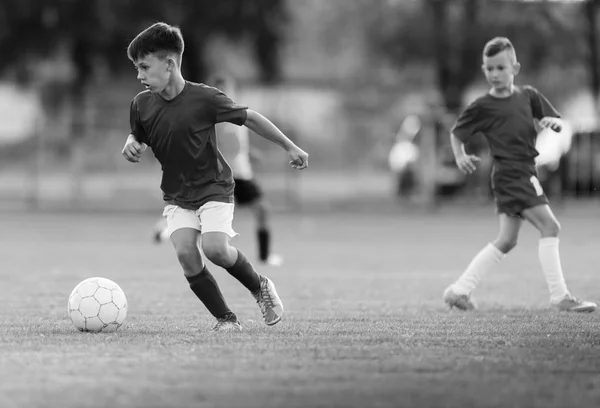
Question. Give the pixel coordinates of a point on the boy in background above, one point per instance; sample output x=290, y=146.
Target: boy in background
x=505, y=115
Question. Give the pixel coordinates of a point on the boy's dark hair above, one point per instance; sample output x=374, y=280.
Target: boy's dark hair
x=496, y=46
x=159, y=38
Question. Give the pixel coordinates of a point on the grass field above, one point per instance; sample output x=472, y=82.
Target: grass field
x=365, y=325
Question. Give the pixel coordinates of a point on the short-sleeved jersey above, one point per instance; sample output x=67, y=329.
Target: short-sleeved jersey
x=506, y=123
x=181, y=133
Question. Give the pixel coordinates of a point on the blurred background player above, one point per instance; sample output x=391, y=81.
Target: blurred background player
x=505, y=115
x=233, y=142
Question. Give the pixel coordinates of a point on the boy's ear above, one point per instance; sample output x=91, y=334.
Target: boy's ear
x=483, y=69
x=517, y=68
x=171, y=64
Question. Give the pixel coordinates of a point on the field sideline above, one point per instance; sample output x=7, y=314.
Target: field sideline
x=365, y=325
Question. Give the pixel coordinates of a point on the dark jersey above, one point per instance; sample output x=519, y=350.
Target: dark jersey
x=181, y=133
x=507, y=123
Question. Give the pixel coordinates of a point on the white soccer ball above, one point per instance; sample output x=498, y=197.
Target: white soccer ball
x=97, y=305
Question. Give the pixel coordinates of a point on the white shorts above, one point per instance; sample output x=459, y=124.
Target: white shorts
x=213, y=216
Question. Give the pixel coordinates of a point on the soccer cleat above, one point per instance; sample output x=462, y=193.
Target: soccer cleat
x=572, y=304
x=227, y=324
x=268, y=301
x=462, y=302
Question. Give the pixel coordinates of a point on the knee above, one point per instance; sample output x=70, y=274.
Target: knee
x=218, y=253
x=187, y=254
x=550, y=229
x=506, y=245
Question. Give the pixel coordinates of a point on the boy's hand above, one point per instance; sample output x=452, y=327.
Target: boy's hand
x=298, y=158
x=466, y=163
x=133, y=150
x=552, y=123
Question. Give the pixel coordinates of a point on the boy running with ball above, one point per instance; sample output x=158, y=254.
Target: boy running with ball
x=177, y=118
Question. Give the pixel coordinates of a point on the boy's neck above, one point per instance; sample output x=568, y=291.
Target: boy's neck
x=504, y=93
x=174, y=88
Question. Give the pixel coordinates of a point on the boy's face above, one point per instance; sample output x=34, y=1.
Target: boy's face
x=153, y=72
x=500, y=70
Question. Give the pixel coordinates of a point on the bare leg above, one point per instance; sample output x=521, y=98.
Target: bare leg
x=490, y=256
x=200, y=279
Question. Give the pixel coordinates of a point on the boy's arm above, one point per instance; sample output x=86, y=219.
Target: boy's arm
x=131, y=138
x=133, y=149
x=465, y=162
x=458, y=147
x=467, y=124
x=134, y=146
x=265, y=128
x=543, y=111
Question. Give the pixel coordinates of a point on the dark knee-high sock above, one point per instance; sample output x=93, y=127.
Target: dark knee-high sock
x=205, y=287
x=264, y=242
x=244, y=272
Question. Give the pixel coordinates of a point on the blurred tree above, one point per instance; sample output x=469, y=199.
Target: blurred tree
x=96, y=32
x=261, y=22
x=452, y=33
x=456, y=55
x=101, y=29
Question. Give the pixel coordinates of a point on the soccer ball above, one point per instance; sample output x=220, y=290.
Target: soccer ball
x=97, y=305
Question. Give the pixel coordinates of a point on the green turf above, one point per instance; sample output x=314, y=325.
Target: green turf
x=365, y=325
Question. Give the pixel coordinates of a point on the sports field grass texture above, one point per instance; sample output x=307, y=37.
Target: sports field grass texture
x=364, y=326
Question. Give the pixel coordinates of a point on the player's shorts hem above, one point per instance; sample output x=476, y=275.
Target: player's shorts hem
x=214, y=216
x=516, y=188
x=517, y=213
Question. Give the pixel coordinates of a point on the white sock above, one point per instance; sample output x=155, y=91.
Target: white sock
x=550, y=261
x=484, y=261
